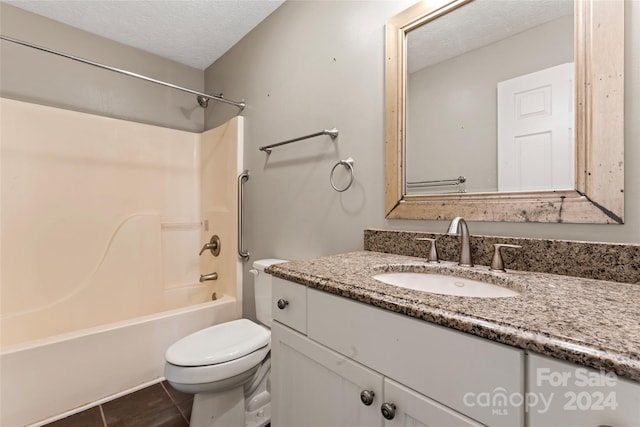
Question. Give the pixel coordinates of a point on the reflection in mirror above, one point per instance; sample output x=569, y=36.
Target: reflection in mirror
x=490, y=99
x=505, y=111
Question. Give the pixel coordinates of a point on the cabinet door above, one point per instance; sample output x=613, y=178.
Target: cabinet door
x=466, y=373
x=415, y=410
x=312, y=386
x=568, y=395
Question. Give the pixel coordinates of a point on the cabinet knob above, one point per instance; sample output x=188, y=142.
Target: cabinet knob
x=282, y=303
x=367, y=397
x=388, y=410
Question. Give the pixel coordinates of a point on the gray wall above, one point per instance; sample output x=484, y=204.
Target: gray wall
x=33, y=76
x=315, y=64
x=452, y=105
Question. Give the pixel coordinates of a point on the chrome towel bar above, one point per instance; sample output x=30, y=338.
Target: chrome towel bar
x=333, y=133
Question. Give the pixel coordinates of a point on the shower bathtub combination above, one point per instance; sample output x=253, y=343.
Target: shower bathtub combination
x=102, y=223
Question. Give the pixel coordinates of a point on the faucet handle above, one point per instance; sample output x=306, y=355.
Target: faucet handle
x=433, y=251
x=213, y=246
x=496, y=262
x=206, y=246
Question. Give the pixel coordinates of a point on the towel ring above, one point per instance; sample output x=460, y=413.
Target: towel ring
x=348, y=164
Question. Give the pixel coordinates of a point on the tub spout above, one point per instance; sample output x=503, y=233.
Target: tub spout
x=210, y=276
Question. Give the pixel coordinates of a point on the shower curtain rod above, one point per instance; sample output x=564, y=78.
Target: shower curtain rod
x=203, y=98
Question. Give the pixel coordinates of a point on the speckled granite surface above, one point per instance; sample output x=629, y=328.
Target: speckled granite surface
x=589, y=322
x=604, y=261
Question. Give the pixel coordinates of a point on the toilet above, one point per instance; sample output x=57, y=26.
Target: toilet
x=227, y=366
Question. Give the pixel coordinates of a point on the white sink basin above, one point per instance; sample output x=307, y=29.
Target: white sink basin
x=445, y=285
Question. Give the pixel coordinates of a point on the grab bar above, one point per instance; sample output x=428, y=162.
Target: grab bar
x=333, y=133
x=242, y=178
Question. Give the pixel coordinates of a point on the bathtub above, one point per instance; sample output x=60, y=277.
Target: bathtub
x=48, y=379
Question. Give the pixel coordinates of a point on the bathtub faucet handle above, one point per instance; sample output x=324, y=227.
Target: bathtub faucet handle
x=213, y=245
x=433, y=250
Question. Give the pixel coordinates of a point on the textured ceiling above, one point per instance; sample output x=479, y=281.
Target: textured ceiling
x=191, y=32
x=478, y=24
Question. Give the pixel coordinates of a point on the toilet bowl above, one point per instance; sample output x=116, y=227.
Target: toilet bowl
x=227, y=366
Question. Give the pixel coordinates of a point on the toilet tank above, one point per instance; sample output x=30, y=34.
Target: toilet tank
x=262, y=289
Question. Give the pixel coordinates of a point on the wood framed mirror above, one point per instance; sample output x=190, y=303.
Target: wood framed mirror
x=598, y=165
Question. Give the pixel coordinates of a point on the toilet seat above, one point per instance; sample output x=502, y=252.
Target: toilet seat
x=212, y=373
x=218, y=352
x=218, y=344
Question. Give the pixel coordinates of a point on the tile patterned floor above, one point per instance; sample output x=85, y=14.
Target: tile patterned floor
x=159, y=405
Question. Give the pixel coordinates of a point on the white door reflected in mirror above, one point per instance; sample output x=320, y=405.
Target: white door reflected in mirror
x=536, y=121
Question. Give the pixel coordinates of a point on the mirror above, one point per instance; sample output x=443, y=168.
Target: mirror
x=490, y=99
x=455, y=139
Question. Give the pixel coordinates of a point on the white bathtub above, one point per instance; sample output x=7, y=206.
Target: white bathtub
x=47, y=379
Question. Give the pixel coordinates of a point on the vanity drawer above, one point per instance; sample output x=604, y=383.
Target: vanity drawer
x=289, y=304
x=456, y=369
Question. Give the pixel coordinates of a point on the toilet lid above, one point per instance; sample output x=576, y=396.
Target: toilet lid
x=218, y=344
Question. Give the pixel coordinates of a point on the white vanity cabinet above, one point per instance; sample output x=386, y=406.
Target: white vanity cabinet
x=561, y=393
x=347, y=352
x=314, y=386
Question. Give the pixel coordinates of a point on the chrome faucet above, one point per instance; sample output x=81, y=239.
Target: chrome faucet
x=456, y=224
x=210, y=276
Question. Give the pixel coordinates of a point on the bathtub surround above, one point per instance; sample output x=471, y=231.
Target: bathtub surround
x=112, y=213
x=102, y=222
x=592, y=260
x=95, y=204
x=220, y=162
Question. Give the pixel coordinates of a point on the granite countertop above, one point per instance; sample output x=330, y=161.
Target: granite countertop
x=593, y=323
